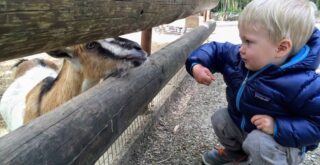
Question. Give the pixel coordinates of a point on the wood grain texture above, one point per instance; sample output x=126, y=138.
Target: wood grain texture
x=81, y=130
x=32, y=26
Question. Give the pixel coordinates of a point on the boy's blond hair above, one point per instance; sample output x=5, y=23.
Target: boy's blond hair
x=290, y=19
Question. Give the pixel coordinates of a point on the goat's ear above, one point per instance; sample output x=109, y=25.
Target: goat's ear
x=61, y=53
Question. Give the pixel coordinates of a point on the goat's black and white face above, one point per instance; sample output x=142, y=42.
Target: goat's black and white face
x=123, y=49
x=101, y=58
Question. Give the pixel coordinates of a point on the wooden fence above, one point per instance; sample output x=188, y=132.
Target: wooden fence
x=81, y=130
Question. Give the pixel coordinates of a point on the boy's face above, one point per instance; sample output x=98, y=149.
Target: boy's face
x=256, y=50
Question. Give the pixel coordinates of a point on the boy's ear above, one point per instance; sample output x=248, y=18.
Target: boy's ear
x=284, y=48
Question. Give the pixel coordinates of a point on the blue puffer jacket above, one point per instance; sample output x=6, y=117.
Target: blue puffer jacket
x=290, y=93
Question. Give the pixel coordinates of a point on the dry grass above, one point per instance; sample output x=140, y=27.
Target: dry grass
x=5, y=80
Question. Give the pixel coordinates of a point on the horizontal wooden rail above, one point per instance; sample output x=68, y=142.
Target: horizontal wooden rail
x=81, y=130
x=32, y=26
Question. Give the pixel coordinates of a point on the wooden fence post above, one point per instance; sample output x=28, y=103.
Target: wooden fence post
x=146, y=40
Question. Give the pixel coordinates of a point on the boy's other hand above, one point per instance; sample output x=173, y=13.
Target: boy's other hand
x=202, y=75
x=264, y=123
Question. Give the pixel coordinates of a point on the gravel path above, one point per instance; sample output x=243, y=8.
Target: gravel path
x=184, y=131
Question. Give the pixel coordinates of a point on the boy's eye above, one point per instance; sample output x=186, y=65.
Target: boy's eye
x=247, y=42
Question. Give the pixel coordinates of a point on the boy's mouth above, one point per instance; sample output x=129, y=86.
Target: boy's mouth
x=244, y=60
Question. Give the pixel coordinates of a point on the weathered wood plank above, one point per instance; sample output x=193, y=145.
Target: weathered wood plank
x=32, y=26
x=81, y=130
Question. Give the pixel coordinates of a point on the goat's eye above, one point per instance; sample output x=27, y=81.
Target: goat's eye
x=137, y=47
x=91, y=45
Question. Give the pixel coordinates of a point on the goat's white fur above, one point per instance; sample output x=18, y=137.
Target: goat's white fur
x=117, y=50
x=12, y=104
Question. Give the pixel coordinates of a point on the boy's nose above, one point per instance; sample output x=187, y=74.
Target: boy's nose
x=242, y=49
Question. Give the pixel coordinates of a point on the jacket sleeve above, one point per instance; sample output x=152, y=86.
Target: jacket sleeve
x=297, y=132
x=303, y=129
x=213, y=56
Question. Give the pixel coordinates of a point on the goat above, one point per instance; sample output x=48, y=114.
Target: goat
x=84, y=66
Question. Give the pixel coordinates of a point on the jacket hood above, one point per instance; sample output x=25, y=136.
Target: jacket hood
x=308, y=58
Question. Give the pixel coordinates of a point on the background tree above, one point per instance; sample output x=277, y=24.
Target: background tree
x=238, y=5
x=226, y=7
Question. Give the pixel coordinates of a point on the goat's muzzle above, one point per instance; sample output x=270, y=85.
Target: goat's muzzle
x=138, y=61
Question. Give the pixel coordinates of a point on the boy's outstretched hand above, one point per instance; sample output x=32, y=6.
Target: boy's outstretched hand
x=264, y=123
x=202, y=75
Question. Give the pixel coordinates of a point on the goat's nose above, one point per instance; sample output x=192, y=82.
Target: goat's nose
x=138, y=61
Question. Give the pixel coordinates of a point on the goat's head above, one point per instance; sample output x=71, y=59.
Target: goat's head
x=101, y=58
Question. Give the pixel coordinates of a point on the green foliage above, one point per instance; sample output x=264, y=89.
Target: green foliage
x=238, y=5
x=317, y=2
x=233, y=6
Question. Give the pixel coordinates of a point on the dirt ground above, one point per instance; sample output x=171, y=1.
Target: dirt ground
x=184, y=131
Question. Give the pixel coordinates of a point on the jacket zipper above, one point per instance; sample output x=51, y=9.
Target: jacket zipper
x=240, y=92
x=243, y=120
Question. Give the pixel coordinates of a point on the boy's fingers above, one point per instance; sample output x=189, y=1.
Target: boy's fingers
x=259, y=127
x=207, y=71
x=212, y=77
x=207, y=82
x=258, y=122
x=203, y=75
x=254, y=118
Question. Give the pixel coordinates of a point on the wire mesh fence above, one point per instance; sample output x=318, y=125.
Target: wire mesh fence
x=119, y=147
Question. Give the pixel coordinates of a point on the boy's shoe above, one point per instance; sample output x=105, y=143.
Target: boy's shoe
x=218, y=157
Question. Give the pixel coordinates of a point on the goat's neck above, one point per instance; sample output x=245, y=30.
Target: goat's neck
x=67, y=85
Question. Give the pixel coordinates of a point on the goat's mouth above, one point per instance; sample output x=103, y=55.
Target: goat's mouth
x=122, y=68
x=138, y=61
x=117, y=73
x=135, y=60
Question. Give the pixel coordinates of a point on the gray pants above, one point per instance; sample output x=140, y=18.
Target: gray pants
x=260, y=147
